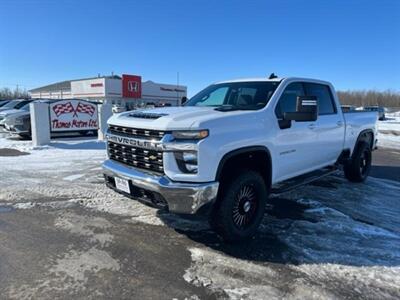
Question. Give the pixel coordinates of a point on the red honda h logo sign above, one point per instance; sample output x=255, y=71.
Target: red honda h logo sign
x=131, y=86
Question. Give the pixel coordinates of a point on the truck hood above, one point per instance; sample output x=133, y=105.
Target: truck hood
x=169, y=118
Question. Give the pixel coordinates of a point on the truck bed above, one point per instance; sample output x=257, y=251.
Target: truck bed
x=356, y=122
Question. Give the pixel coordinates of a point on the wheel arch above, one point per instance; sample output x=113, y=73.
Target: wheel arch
x=366, y=135
x=256, y=157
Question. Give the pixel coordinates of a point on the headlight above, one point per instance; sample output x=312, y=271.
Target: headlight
x=190, y=134
x=187, y=161
x=19, y=120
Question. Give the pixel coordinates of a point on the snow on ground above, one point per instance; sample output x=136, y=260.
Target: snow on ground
x=389, y=131
x=337, y=238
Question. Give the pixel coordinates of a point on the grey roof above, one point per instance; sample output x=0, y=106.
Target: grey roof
x=65, y=85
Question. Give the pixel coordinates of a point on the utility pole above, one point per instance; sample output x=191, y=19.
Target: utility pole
x=177, y=89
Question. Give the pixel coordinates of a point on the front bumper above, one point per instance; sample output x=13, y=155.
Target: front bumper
x=183, y=198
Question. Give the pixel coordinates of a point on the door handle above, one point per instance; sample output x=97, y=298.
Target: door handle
x=339, y=123
x=311, y=126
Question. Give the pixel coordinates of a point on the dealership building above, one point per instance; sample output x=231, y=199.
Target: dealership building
x=127, y=90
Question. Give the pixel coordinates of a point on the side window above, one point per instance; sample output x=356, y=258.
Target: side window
x=325, y=101
x=288, y=100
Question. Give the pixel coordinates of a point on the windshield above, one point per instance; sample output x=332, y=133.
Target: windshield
x=11, y=104
x=2, y=103
x=22, y=104
x=235, y=95
x=26, y=106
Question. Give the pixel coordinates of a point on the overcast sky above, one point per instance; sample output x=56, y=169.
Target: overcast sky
x=354, y=44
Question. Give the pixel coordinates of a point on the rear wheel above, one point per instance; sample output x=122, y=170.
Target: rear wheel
x=358, y=168
x=241, y=208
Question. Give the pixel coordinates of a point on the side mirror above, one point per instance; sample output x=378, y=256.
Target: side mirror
x=184, y=100
x=306, y=110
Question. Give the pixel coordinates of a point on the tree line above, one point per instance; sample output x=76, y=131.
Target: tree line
x=371, y=97
x=7, y=93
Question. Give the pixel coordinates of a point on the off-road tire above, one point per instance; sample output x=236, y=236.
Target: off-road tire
x=230, y=206
x=358, y=167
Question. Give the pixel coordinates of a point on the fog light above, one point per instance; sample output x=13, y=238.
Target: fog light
x=187, y=161
x=190, y=157
x=191, y=168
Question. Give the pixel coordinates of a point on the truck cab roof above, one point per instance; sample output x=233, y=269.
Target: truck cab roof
x=277, y=79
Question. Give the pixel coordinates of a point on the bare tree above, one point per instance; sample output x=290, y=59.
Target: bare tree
x=364, y=98
x=6, y=93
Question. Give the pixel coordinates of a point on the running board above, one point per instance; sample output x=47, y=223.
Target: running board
x=290, y=184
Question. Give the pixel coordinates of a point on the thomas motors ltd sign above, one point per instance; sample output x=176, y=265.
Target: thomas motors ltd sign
x=73, y=115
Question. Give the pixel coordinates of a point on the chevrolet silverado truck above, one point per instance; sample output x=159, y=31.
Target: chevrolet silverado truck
x=227, y=148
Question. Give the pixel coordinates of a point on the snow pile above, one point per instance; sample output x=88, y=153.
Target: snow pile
x=241, y=279
x=389, y=131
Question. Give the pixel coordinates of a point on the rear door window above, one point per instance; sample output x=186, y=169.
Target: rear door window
x=323, y=93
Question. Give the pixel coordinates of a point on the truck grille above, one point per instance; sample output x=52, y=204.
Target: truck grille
x=137, y=133
x=151, y=160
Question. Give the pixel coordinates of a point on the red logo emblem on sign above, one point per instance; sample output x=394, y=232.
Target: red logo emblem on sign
x=131, y=86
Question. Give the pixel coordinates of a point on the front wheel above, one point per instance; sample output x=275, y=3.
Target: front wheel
x=241, y=208
x=358, y=168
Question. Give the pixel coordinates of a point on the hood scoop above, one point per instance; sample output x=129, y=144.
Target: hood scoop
x=144, y=115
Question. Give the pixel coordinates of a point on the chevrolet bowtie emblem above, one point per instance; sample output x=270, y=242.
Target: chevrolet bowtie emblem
x=152, y=157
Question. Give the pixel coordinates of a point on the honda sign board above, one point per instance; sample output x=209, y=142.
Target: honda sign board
x=131, y=86
x=73, y=115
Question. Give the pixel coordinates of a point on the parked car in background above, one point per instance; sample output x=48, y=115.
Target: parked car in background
x=118, y=108
x=3, y=102
x=379, y=109
x=17, y=121
x=348, y=108
x=15, y=104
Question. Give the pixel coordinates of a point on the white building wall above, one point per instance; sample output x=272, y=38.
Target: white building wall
x=90, y=88
x=113, y=88
x=53, y=95
x=165, y=93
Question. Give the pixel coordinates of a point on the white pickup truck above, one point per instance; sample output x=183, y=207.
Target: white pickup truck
x=225, y=149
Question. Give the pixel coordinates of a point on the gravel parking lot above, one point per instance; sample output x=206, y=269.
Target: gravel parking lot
x=65, y=235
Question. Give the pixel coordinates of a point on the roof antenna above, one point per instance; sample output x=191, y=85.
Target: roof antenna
x=272, y=76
